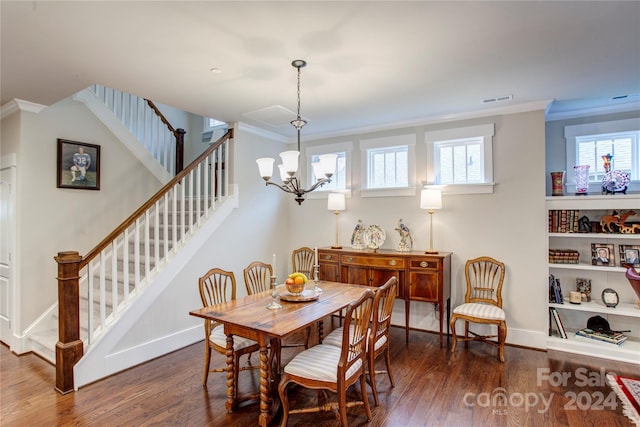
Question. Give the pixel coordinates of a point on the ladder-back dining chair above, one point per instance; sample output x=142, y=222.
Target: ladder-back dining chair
x=332, y=368
x=218, y=286
x=482, y=302
x=302, y=260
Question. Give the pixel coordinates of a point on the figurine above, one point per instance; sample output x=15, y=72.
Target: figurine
x=356, y=237
x=406, y=240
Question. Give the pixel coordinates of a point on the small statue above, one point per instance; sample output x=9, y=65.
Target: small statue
x=356, y=237
x=406, y=240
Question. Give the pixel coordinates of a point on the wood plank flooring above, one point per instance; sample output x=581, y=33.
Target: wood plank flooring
x=433, y=388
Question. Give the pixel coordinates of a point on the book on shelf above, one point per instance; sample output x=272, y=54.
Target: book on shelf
x=563, y=221
x=555, y=290
x=612, y=338
x=558, y=322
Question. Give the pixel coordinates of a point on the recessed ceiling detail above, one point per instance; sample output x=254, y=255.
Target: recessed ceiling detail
x=275, y=116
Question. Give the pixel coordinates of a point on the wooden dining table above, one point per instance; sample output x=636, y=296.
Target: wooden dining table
x=249, y=317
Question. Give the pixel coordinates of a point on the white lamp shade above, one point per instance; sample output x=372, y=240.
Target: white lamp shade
x=290, y=161
x=265, y=166
x=335, y=202
x=430, y=199
x=284, y=176
x=328, y=164
x=317, y=170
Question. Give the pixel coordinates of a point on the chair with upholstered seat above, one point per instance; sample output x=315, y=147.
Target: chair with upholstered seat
x=332, y=368
x=482, y=303
x=302, y=260
x=257, y=277
x=378, y=333
x=218, y=286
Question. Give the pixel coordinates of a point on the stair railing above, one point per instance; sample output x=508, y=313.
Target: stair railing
x=147, y=123
x=108, y=277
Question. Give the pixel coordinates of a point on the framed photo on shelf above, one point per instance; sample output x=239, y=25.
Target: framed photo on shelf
x=78, y=165
x=629, y=254
x=603, y=254
x=584, y=287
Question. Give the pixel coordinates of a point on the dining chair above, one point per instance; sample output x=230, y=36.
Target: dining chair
x=257, y=277
x=482, y=302
x=218, y=286
x=378, y=344
x=302, y=260
x=331, y=368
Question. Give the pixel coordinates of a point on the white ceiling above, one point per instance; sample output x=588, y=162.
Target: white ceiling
x=371, y=64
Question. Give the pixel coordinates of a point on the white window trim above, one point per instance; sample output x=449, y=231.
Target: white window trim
x=574, y=131
x=390, y=141
x=485, y=131
x=347, y=148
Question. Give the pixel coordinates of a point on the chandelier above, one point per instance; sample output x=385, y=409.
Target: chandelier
x=323, y=169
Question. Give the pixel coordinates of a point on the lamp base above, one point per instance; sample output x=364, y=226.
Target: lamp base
x=431, y=251
x=336, y=247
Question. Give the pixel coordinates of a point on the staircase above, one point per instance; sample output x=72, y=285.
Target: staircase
x=130, y=266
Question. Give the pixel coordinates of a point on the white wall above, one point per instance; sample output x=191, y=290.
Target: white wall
x=51, y=219
x=508, y=225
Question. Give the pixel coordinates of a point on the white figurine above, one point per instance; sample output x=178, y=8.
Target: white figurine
x=406, y=240
x=356, y=237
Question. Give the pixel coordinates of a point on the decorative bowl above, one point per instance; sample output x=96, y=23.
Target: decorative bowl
x=295, y=289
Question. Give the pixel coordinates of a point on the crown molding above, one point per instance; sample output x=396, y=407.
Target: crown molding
x=20, y=105
x=594, y=111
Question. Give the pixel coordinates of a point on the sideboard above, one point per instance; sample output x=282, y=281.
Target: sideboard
x=421, y=276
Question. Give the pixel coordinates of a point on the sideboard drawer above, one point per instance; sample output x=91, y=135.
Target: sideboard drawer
x=369, y=261
x=325, y=257
x=424, y=264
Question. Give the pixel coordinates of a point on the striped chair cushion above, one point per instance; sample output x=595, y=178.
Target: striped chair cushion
x=319, y=363
x=482, y=311
x=335, y=338
x=220, y=339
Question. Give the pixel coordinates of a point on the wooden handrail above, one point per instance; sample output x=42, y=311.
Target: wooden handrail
x=142, y=209
x=160, y=115
x=177, y=133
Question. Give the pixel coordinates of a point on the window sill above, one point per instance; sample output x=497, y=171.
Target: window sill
x=324, y=194
x=484, y=188
x=388, y=192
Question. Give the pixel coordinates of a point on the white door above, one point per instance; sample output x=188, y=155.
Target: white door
x=7, y=252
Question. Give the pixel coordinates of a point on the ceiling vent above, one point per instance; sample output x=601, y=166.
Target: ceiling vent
x=497, y=99
x=276, y=116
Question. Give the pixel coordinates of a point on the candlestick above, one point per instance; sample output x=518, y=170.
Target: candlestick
x=273, y=305
x=273, y=265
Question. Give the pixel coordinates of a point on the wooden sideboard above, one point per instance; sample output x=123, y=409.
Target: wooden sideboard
x=421, y=277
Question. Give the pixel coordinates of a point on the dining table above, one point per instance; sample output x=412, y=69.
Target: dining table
x=249, y=317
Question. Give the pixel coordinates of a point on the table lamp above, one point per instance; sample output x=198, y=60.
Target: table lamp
x=430, y=199
x=336, y=203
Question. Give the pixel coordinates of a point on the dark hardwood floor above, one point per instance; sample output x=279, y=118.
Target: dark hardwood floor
x=433, y=388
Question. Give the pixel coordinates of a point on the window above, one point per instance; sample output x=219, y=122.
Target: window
x=587, y=143
x=461, y=159
x=388, y=166
x=341, y=180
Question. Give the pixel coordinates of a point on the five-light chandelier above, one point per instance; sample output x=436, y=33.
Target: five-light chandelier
x=323, y=169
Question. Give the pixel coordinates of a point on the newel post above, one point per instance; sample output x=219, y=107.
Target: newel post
x=179, y=133
x=69, y=348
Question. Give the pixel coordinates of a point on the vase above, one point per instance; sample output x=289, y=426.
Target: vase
x=557, y=180
x=582, y=179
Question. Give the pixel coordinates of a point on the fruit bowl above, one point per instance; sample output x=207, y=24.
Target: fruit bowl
x=295, y=289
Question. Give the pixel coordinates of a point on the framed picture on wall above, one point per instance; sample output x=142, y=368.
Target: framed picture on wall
x=78, y=165
x=603, y=254
x=629, y=254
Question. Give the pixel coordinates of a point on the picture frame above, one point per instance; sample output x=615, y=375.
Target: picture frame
x=584, y=287
x=603, y=254
x=71, y=173
x=629, y=254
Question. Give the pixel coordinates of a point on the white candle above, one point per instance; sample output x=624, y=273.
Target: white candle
x=273, y=266
x=316, y=251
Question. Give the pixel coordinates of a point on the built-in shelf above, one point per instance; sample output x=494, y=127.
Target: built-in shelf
x=594, y=206
x=622, y=309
